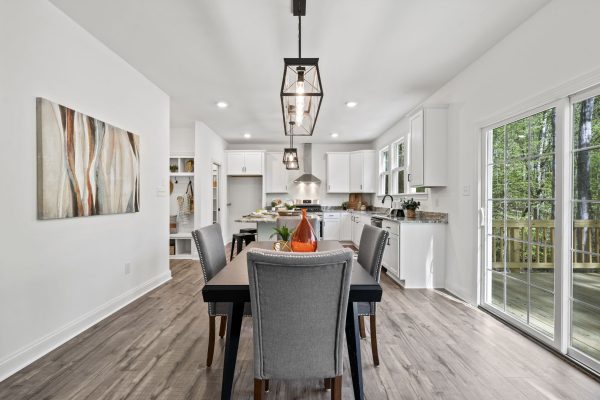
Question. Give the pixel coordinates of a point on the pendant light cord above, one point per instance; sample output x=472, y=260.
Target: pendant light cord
x=299, y=36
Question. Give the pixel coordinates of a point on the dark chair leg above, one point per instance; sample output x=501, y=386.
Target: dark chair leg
x=373, y=323
x=361, y=326
x=336, y=388
x=258, y=389
x=239, y=242
x=211, y=341
x=327, y=383
x=266, y=385
x=232, y=244
x=223, y=326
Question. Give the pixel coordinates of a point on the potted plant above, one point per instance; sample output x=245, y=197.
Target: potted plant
x=173, y=168
x=345, y=205
x=284, y=233
x=411, y=206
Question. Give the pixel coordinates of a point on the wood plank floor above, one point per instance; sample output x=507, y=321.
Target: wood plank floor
x=431, y=347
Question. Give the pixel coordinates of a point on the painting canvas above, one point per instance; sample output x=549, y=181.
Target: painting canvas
x=85, y=166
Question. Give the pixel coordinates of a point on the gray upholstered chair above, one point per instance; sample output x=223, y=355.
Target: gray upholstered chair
x=370, y=254
x=209, y=242
x=299, y=304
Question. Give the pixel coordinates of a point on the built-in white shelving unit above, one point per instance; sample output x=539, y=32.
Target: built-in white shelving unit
x=181, y=167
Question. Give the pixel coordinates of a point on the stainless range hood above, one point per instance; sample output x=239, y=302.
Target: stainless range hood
x=307, y=177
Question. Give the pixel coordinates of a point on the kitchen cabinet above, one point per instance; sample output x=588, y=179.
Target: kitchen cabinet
x=331, y=226
x=338, y=173
x=428, y=147
x=363, y=171
x=276, y=175
x=245, y=163
x=391, y=257
x=358, y=222
x=414, y=255
x=346, y=226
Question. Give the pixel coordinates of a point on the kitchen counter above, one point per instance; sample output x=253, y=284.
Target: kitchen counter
x=266, y=223
x=273, y=218
x=423, y=217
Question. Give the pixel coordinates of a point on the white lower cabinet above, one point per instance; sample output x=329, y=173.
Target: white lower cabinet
x=358, y=222
x=416, y=257
x=346, y=226
x=331, y=226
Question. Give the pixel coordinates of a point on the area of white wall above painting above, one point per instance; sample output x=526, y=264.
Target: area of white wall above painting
x=59, y=277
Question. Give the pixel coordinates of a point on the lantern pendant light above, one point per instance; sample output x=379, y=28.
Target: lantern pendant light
x=301, y=90
x=290, y=154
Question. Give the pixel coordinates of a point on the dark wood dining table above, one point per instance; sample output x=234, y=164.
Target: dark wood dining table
x=231, y=286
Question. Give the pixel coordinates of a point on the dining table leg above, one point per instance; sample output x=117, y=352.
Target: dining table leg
x=234, y=327
x=353, y=342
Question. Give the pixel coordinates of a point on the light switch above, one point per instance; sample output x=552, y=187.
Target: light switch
x=467, y=190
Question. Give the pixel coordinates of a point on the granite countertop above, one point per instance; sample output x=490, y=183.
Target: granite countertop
x=423, y=217
x=272, y=218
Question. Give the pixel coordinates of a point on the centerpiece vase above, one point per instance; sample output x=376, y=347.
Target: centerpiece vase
x=304, y=238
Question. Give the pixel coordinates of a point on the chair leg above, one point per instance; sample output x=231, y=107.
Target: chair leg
x=266, y=385
x=327, y=383
x=223, y=326
x=240, y=243
x=336, y=388
x=211, y=341
x=232, y=244
x=361, y=326
x=373, y=323
x=258, y=389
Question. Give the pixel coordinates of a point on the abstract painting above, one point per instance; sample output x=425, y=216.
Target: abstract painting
x=85, y=166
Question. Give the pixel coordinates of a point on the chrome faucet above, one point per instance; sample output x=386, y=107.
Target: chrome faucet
x=391, y=203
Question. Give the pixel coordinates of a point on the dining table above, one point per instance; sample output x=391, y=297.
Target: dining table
x=230, y=285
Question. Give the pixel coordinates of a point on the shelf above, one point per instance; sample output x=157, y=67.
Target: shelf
x=181, y=235
x=181, y=174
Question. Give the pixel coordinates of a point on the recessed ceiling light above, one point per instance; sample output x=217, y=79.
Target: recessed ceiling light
x=351, y=104
x=247, y=135
x=334, y=135
x=222, y=104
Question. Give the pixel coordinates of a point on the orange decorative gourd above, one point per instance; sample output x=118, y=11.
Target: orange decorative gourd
x=304, y=238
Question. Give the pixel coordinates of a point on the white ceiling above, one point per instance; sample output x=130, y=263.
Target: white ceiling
x=388, y=55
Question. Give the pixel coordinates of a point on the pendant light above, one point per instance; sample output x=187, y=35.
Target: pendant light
x=290, y=154
x=301, y=90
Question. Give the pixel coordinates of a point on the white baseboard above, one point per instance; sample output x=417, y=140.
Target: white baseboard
x=21, y=358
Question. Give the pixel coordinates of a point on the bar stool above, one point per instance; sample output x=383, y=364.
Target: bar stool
x=253, y=231
x=238, y=239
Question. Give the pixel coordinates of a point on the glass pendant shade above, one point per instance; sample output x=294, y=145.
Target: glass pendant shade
x=290, y=158
x=304, y=238
x=301, y=95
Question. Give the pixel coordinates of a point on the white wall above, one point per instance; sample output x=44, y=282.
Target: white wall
x=210, y=148
x=550, y=55
x=59, y=277
x=181, y=140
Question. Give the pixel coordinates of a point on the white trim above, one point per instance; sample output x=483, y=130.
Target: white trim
x=26, y=355
x=585, y=94
x=582, y=358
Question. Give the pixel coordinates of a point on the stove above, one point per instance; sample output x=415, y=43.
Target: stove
x=310, y=206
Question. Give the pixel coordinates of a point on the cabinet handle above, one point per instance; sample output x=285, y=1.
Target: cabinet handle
x=360, y=187
x=329, y=186
x=388, y=242
x=409, y=177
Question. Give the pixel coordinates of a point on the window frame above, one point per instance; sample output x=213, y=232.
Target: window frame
x=384, y=171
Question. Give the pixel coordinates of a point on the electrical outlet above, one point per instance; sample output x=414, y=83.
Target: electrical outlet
x=127, y=268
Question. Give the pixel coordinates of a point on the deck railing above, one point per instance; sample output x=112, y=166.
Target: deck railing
x=586, y=242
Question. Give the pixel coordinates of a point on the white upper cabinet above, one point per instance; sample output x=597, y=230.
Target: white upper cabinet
x=338, y=173
x=428, y=147
x=362, y=171
x=276, y=175
x=244, y=163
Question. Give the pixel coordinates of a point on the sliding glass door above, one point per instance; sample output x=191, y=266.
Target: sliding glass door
x=585, y=238
x=541, y=225
x=520, y=228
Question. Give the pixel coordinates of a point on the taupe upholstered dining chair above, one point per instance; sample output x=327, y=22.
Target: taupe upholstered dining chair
x=370, y=255
x=299, y=304
x=209, y=242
